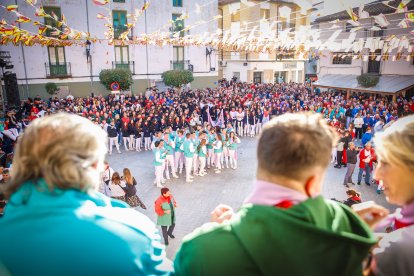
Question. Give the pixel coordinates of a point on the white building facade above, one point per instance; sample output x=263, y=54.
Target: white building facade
x=369, y=60
x=260, y=17
x=68, y=66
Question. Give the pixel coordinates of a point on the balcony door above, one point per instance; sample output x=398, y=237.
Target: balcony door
x=374, y=65
x=178, y=58
x=122, y=57
x=57, y=61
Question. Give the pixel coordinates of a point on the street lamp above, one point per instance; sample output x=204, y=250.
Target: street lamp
x=88, y=55
x=88, y=50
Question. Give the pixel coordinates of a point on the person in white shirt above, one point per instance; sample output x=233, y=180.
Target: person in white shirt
x=358, y=122
x=105, y=180
x=116, y=186
x=239, y=122
x=233, y=114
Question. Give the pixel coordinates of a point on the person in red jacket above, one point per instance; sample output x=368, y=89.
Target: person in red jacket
x=366, y=158
x=165, y=209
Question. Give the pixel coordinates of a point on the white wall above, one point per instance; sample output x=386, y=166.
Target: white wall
x=358, y=66
x=158, y=14
x=234, y=66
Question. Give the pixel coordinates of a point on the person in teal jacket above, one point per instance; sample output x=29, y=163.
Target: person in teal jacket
x=285, y=226
x=189, y=149
x=179, y=151
x=56, y=223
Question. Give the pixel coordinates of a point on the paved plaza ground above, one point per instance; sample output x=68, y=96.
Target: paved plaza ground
x=196, y=200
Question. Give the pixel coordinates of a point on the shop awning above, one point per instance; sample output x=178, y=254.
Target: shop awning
x=388, y=84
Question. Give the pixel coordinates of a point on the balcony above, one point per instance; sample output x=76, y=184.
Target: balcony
x=180, y=65
x=124, y=65
x=62, y=70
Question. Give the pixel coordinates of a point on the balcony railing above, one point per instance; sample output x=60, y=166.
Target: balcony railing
x=124, y=65
x=61, y=70
x=180, y=65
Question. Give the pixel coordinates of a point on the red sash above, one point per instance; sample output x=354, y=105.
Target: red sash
x=285, y=204
x=399, y=224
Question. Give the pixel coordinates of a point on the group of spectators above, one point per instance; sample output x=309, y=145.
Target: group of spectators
x=134, y=120
x=285, y=226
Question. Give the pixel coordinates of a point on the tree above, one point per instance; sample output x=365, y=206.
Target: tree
x=176, y=78
x=121, y=76
x=51, y=88
x=367, y=80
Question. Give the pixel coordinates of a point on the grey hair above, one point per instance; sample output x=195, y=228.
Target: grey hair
x=66, y=150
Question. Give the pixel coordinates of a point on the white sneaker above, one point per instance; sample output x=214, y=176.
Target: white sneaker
x=160, y=186
x=175, y=176
x=189, y=181
x=119, y=151
x=168, y=178
x=218, y=171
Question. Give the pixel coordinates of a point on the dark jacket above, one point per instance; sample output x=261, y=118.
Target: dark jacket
x=351, y=156
x=112, y=132
x=130, y=190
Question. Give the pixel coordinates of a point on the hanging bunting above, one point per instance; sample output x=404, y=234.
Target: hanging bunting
x=12, y=7
x=351, y=14
x=23, y=19
x=361, y=13
x=40, y=12
x=100, y=2
x=381, y=20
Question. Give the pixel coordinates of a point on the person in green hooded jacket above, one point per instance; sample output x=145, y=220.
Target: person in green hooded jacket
x=285, y=226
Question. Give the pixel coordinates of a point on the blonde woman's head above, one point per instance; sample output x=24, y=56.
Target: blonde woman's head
x=127, y=176
x=66, y=150
x=395, y=150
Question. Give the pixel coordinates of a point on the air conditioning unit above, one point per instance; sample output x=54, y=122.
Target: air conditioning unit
x=245, y=64
x=222, y=63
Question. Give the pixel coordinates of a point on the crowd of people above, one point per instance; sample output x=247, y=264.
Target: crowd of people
x=215, y=119
x=285, y=226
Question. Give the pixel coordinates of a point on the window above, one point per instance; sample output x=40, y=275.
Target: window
x=342, y=58
x=177, y=3
x=119, y=22
x=257, y=77
x=235, y=16
x=264, y=14
x=178, y=58
x=57, y=61
x=348, y=27
x=178, y=25
x=122, y=57
x=53, y=11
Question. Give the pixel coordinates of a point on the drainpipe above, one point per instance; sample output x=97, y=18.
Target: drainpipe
x=90, y=56
x=24, y=64
x=222, y=29
x=146, y=43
